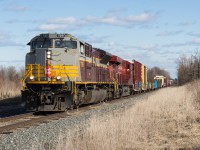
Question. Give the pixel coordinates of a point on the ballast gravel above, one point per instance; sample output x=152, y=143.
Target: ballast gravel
x=47, y=135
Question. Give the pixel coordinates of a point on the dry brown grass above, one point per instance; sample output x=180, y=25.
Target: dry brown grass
x=166, y=120
x=194, y=88
x=10, y=82
x=9, y=89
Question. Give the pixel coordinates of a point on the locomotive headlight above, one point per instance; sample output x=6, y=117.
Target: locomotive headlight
x=58, y=77
x=48, y=56
x=32, y=77
x=48, y=52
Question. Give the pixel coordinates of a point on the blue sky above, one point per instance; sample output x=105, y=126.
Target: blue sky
x=154, y=32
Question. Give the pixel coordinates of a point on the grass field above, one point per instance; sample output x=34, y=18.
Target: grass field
x=169, y=119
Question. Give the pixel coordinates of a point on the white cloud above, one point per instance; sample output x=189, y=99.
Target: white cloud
x=16, y=8
x=174, y=45
x=122, y=20
x=169, y=33
x=196, y=41
x=11, y=21
x=111, y=44
x=145, y=47
x=188, y=23
x=149, y=47
x=2, y=36
x=194, y=34
x=144, y=17
x=74, y=23
x=49, y=27
x=68, y=20
x=117, y=11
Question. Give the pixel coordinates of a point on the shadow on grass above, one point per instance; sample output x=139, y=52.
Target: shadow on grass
x=11, y=106
x=11, y=101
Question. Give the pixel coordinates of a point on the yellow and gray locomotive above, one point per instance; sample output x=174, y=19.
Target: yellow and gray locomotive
x=63, y=72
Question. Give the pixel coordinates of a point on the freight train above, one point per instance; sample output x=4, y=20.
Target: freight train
x=63, y=72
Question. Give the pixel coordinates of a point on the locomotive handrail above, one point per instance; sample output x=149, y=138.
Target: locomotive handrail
x=26, y=75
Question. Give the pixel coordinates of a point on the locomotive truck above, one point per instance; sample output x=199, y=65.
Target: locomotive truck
x=64, y=72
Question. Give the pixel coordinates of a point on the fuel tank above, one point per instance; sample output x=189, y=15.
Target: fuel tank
x=93, y=96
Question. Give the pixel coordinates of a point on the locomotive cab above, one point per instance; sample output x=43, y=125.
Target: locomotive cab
x=51, y=68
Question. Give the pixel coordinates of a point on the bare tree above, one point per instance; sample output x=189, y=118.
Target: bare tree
x=10, y=81
x=11, y=73
x=188, y=68
x=2, y=72
x=155, y=71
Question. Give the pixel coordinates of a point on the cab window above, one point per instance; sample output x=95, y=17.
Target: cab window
x=41, y=43
x=68, y=44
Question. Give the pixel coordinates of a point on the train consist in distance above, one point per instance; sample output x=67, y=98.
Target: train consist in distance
x=64, y=72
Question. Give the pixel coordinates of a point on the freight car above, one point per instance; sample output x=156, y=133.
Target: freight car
x=162, y=81
x=64, y=72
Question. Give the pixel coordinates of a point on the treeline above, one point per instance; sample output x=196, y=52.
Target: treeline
x=156, y=71
x=10, y=79
x=188, y=68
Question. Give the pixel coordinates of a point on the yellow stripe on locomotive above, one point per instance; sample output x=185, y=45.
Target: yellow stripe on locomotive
x=36, y=72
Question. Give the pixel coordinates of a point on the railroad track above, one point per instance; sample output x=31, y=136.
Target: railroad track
x=11, y=124
x=15, y=117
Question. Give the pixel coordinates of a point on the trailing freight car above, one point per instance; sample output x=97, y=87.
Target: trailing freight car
x=155, y=84
x=137, y=76
x=144, y=77
x=162, y=80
